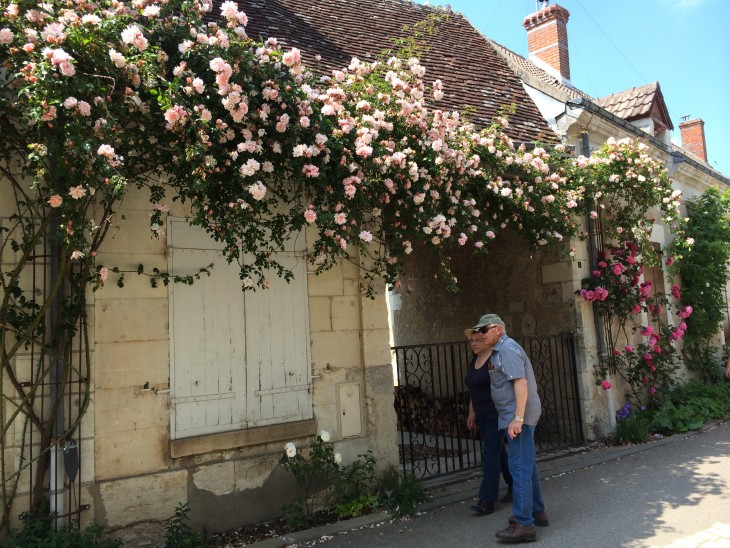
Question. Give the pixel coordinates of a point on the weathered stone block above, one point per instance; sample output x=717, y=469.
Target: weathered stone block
x=353, y=286
x=132, y=363
x=135, y=228
x=375, y=312
x=324, y=391
x=345, y=313
x=135, y=286
x=327, y=419
x=337, y=348
x=326, y=283
x=376, y=347
x=249, y=505
x=132, y=452
x=557, y=272
x=252, y=473
x=147, y=498
x=351, y=268
x=320, y=314
x=122, y=411
x=87, y=470
x=120, y=320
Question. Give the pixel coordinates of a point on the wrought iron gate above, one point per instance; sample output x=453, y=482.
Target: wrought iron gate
x=432, y=403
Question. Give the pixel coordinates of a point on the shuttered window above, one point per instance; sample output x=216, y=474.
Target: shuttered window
x=239, y=359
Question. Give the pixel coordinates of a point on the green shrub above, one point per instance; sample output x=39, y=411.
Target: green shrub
x=356, y=491
x=701, y=356
x=316, y=470
x=178, y=533
x=352, y=508
x=693, y=391
x=401, y=493
x=702, y=266
x=633, y=429
x=690, y=404
x=686, y=407
x=295, y=513
x=38, y=532
x=670, y=419
x=356, y=487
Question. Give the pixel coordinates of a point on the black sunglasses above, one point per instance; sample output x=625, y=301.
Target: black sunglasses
x=483, y=329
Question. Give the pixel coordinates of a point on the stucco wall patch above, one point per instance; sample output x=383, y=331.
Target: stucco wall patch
x=216, y=478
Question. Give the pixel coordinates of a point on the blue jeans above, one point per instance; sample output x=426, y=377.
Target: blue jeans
x=526, y=494
x=492, y=447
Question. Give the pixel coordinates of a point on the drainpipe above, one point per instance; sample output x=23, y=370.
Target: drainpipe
x=56, y=494
x=597, y=320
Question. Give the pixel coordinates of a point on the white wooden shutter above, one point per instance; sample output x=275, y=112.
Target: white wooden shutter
x=238, y=359
x=277, y=348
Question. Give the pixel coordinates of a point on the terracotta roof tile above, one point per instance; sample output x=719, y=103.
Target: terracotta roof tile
x=633, y=102
x=637, y=103
x=474, y=75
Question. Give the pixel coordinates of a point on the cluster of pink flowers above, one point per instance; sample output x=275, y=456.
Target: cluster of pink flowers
x=357, y=155
x=685, y=313
x=415, y=162
x=61, y=60
x=678, y=332
x=597, y=294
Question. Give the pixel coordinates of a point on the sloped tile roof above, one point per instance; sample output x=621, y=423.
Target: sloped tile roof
x=632, y=104
x=474, y=75
x=531, y=72
x=637, y=103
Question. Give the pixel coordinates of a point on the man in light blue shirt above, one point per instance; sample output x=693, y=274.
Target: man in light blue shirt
x=514, y=392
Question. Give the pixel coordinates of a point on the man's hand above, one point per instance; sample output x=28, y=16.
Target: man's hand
x=520, y=388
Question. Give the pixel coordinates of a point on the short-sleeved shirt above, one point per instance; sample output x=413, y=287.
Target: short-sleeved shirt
x=480, y=391
x=511, y=362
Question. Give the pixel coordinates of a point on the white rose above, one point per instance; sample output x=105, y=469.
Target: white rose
x=324, y=435
x=291, y=450
x=338, y=458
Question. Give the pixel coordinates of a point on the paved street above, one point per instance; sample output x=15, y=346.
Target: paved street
x=674, y=494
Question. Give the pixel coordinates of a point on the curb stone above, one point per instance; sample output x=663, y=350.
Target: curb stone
x=462, y=486
x=329, y=530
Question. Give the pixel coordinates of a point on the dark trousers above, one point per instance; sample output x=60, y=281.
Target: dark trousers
x=494, y=457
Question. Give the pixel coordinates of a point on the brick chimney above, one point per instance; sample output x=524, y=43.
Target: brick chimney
x=693, y=137
x=547, y=38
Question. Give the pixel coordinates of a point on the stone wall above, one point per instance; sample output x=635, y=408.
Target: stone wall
x=533, y=292
x=225, y=485
x=133, y=475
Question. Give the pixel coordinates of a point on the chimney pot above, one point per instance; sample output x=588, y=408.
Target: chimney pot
x=693, y=137
x=547, y=38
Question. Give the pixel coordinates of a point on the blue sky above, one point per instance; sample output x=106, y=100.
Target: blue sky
x=619, y=44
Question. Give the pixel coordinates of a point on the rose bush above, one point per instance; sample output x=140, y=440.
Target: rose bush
x=625, y=301
x=260, y=147
x=700, y=257
x=95, y=97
